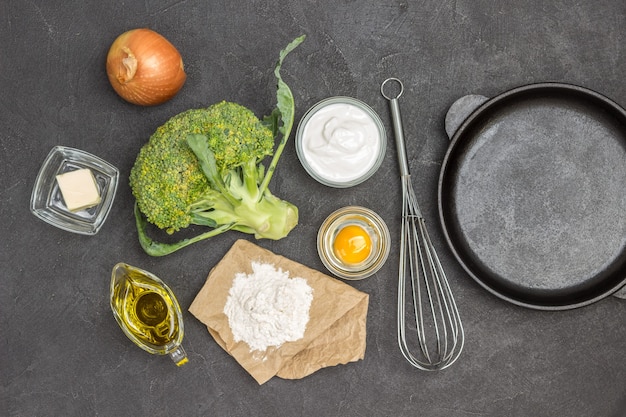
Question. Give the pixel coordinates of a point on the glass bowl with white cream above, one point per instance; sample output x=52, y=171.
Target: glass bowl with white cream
x=353, y=242
x=341, y=141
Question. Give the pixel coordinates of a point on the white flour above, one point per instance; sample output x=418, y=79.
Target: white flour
x=267, y=308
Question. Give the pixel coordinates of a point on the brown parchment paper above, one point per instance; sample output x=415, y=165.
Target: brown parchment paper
x=335, y=333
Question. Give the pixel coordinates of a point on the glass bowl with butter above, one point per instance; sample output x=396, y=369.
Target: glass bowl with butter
x=353, y=242
x=341, y=141
x=74, y=190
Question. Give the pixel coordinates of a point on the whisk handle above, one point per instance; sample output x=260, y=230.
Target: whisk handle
x=396, y=120
x=398, y=131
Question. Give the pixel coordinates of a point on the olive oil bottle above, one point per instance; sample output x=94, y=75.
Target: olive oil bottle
x=147, y=311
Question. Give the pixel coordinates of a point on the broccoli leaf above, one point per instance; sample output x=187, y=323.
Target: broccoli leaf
x=199, y=144
x=272, y=121
x=286, y=106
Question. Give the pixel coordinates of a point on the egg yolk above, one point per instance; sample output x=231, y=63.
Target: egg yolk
x=352, y=244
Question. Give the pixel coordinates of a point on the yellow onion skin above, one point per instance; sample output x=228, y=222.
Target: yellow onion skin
x=144, y=68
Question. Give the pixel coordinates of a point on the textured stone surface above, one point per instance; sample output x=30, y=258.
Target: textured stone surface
x=62, y=352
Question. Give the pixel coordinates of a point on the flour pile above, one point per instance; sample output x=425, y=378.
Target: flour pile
x=267, y=308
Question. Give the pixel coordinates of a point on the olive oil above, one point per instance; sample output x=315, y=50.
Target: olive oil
x=147, y=311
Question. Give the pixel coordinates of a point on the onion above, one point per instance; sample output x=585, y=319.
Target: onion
x=144, y=68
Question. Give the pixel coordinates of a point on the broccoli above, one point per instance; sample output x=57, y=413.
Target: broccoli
x=204, y=167
x=166, y=177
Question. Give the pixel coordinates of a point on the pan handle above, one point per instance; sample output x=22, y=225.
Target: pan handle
x=460, y=110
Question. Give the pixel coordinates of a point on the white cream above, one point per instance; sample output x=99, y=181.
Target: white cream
x=341, y=142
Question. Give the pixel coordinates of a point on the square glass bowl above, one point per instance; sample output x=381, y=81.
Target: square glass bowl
x=47, y=203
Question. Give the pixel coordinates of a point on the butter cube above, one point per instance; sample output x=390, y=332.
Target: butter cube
x=79, y=189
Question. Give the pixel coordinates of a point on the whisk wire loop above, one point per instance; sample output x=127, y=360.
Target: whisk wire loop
x=436, y=320
x=433, y=306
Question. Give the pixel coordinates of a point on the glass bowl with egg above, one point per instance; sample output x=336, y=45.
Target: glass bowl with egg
x=74, y=190
x=353, y=242
x=341, y=142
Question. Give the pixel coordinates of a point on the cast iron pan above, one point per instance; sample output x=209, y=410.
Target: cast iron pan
x=532, y=194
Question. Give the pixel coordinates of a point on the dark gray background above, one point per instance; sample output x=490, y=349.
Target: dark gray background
x=62, y=352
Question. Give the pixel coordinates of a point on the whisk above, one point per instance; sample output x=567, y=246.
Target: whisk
x=436, y=320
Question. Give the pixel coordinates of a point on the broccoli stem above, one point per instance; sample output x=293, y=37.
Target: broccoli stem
x=239, y=202
x=154, y=248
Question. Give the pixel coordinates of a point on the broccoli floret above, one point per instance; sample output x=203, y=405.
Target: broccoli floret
x=166, y=178
x=204, y=167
